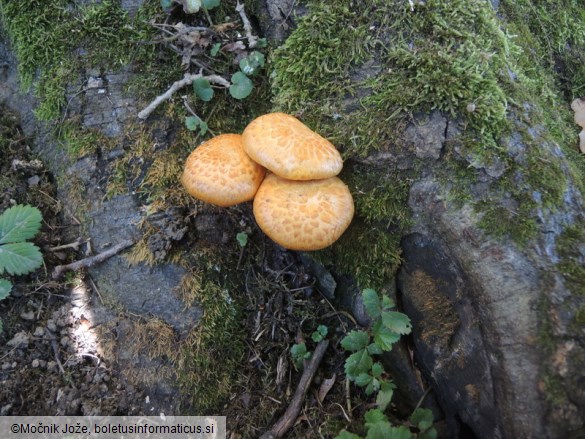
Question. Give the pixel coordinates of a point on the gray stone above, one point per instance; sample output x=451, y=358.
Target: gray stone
x=427, y=135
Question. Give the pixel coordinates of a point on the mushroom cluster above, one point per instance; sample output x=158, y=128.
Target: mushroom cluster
x=300, y=204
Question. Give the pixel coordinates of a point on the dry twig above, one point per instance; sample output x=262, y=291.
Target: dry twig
x=288, y=419
x=177, y=85
x=92, y=260
x=252, y=39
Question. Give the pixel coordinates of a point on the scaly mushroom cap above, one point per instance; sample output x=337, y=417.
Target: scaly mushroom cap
x=221, y=173
x=287, y=147
x=303, y=215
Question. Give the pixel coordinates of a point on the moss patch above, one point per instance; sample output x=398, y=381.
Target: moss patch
x=455, y=56
x=209, y=358
x=570, y=246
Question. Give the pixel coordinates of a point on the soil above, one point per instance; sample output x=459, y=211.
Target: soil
x=50, y=363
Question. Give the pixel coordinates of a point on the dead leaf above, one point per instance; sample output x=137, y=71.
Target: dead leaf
x=223, y=27
x=236, y=46
x=326, y=386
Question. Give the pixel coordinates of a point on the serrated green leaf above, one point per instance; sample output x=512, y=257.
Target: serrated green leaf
x=385, y=394
x=387, y=303
x=241, y=86
x=242, y=238
x=374, y=349
x=372, y=303
x=396, y=322
x=372, y=387
x=344, y=434
x=377, y=370
x=374, y=416
x=19, y=258
x=422, y=418
x=323, y=330
x=19, y=223
x=215, y=49
x=357, y=363
x=384, y=337
x=363, y=379
x=5, y=288
x=210, y=4
x=203, y=89
x=355, y=340
x=191, y=6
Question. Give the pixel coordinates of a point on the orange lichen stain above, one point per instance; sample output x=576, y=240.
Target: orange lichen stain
x=441, y=320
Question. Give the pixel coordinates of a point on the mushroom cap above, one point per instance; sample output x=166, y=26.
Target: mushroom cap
x=221, y=173
x=290, y=149
x=578, y=106
x=303, y=215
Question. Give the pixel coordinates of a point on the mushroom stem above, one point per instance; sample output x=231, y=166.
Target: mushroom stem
x=252, y=39
x=177, y=85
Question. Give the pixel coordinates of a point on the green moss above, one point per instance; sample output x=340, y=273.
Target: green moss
x=47, y=37
x=455, y=56
x=572, y=265
x=213, y=352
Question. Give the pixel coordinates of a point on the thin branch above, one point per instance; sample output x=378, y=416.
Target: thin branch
x=92, y=260
x=288, y=419
x=252, y=39
x=177, y=85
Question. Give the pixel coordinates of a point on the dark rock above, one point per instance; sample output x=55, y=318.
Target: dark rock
x=323, y=278
x=448, y=342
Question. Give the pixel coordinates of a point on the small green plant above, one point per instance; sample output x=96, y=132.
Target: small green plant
x=320, y=333
x=242, y=239
x=387, y=326
x=194, y=123
x=17, y=224
x=299, y=352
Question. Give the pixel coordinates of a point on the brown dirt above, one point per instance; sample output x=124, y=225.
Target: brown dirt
x=50, y=365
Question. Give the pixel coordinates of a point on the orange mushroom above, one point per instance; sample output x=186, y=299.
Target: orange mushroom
x=303, y=215
x=221, y=173
x=290, y=149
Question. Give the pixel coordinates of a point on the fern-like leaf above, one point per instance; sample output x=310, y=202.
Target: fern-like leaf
x=19, y=223
x=19, y=258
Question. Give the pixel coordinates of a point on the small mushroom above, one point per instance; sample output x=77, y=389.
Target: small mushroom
x=290, y=149
x=303, y=215
x=221, y=173
x=578, y=106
